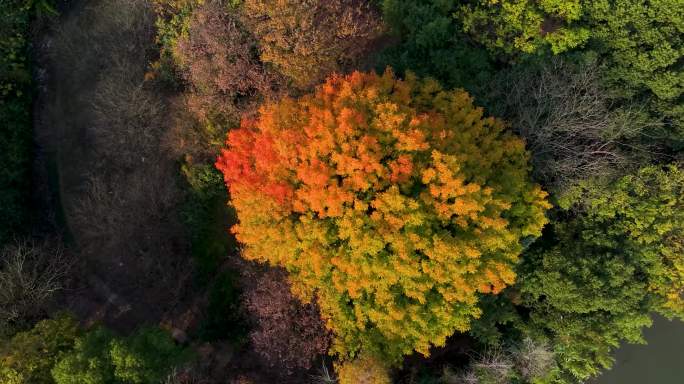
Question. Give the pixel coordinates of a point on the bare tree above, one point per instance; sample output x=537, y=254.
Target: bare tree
x=533, y=359
x=568, y=122
x=131, y=212
x=128, y=120
x=493, y=366
x=187, y=376
x=324, y=375
x=31, y=272
x=119, y=184
x=109, y=32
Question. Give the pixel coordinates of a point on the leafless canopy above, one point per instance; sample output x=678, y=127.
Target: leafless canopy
x=533, y=359
x=568, y=122
x=118, y=182
x=31, y=272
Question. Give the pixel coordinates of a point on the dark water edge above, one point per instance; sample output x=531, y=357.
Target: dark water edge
x=661, y=361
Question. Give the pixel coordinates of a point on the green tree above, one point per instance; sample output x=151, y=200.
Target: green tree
x=145, y=357
x=100, y=357
x=89, y=362
x=28, y=357
x=524, y=26
x=431, y=44
x=640, y=42
x=615, y=255
x=15, y=105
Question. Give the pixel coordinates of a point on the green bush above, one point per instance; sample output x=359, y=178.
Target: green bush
x=205, y=214
x=89, y=362
x=223, y=318
x=100, y=357
x=524, y=26
x=56, y=351
x=173, y=18
x=147, y=356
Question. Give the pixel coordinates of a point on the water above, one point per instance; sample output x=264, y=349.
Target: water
x=661, y=361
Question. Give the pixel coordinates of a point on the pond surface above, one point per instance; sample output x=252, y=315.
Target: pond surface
x=661, y=361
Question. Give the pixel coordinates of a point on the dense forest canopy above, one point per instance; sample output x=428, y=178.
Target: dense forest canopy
x=352, y=191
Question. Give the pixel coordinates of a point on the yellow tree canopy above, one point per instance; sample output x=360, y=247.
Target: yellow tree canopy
x=394, y=202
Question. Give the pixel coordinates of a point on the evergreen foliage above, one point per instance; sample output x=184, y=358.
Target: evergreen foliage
x=15, y=115
x=616, y=256
x=431, y=44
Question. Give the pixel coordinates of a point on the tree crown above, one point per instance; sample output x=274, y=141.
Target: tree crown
x=395, y=202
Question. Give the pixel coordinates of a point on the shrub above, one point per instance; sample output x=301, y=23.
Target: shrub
x=308, y=39
x=29, y=356
x=396, y=202
x=287, y=333
x=363, y=370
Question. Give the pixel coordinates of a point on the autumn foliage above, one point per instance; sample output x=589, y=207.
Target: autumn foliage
x=395, y=202
x=219, y=61
x=287, y=333
x=363, y=370
x=305, y=40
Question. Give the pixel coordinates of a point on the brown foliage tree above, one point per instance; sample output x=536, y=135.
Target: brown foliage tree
x=220, y=61
x=287, y=333
x=308, y=39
